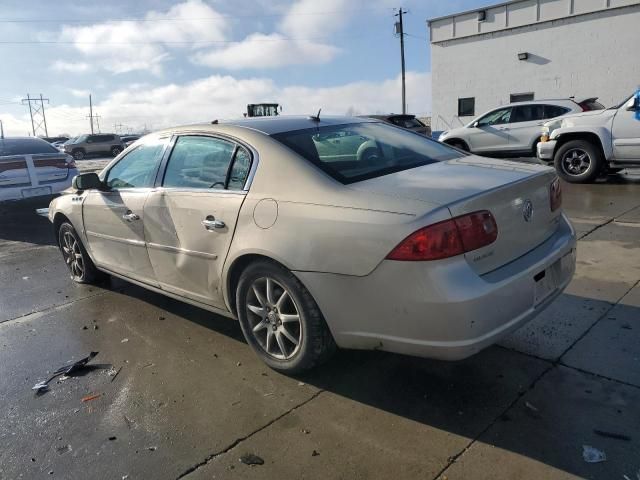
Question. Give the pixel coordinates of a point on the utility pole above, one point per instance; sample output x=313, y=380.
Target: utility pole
x=36, y=112
x=91, y=113
x=400, y=31
x=1, y=130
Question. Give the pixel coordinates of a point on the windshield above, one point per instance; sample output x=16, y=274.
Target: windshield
x=80, y=139
x=359, y=151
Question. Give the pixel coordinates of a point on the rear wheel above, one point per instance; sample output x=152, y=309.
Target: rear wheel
x=115, y=151
x=280, y=320
x=578, y=161
x=81, y=268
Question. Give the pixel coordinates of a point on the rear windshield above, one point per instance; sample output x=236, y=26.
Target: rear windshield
x=25, y=146
x=359, y=151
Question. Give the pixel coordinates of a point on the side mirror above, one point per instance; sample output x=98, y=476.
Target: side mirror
x=634, y=104
x=475, y=124
x=87, y=181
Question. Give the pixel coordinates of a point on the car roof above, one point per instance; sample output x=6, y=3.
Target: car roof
x=275, y=125
x=548, y=101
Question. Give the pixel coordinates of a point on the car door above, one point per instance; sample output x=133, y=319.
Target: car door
x=490, y=133
x=190, y=218
x=625, y=132
x=524, y=127
x=114, y=217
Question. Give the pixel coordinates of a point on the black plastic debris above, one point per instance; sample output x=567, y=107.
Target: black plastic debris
x=251, y=459
x=617, y=436
x=64, y=370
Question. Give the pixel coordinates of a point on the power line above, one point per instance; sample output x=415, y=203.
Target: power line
x=163, y=42
x=217, y=17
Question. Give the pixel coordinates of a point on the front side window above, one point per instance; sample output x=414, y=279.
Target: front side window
x=138, y=168
x=199, y=162
x=497, y=117
x=359, y=151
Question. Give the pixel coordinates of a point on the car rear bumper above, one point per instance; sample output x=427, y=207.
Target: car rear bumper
x=441, y=309
x=545, y=150
x=22, y=192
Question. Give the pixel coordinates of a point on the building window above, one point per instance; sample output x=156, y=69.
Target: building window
x=466, y=107
x=521, y=97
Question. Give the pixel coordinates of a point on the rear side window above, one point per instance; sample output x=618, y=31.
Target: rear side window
x=239, y=170
x=199, y=162
x=138, y=168
x=527, y=113
x=552, y=111
x=25, y=146
x=359, y=151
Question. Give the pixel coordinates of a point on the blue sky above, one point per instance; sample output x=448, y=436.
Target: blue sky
x=158, y=63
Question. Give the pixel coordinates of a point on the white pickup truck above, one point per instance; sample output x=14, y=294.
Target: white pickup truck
x=584, y=145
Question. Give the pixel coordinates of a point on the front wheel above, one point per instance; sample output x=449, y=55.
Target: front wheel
x=578, y=161
x=78, y=154
x=280, y=320
x=81, y=268
x=115, y=151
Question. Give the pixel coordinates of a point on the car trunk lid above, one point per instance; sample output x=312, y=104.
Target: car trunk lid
x=52, y=167
x=516, y=194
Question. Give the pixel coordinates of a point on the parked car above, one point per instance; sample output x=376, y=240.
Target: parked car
x=55, y=139
x=410, y=122
x=31, y=167
x=101, y=144
x=513, y=129
x=584, y=145
x=397, y=243
x=129, y=139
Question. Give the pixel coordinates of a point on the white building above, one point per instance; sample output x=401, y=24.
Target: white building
x=524, y=49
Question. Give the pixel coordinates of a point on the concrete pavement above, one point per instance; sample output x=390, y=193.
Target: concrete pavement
x=190, y=398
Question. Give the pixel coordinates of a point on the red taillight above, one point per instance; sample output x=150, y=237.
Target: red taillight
x=555, y=195
x=448, y=239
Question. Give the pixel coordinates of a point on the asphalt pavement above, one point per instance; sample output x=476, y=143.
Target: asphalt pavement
x=177, y=393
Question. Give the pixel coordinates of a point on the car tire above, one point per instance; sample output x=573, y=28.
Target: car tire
x=80, y=265
x=280, y=320
x=78, y=154
x=115, y=151
x=578, y=161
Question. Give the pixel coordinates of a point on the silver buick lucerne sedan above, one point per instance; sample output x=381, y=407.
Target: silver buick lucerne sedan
x=316, y=233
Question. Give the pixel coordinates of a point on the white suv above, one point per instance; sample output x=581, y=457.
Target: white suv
x=513, y=129
x=585, y=145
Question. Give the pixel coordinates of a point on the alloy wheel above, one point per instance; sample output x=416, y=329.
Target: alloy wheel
x=576, y=162
x=72, y=254
x=274, y=318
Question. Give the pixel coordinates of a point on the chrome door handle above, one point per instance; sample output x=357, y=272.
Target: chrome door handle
x=210, y=223
x=130, y=216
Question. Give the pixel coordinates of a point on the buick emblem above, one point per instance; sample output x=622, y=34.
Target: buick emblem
x=527, y=210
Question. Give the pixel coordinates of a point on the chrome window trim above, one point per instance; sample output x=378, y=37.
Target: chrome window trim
x=255, y=160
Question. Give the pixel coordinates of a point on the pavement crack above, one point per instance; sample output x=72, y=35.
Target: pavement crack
x=452, y=459
x=611, y=220
x=586, y=332
x=238, y=441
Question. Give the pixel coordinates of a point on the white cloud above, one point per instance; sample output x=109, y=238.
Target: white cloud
x=224, y=97
x=79, y=92
x=297, y=40
x=124, y=46
x=76, y=67
x=261, y=51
